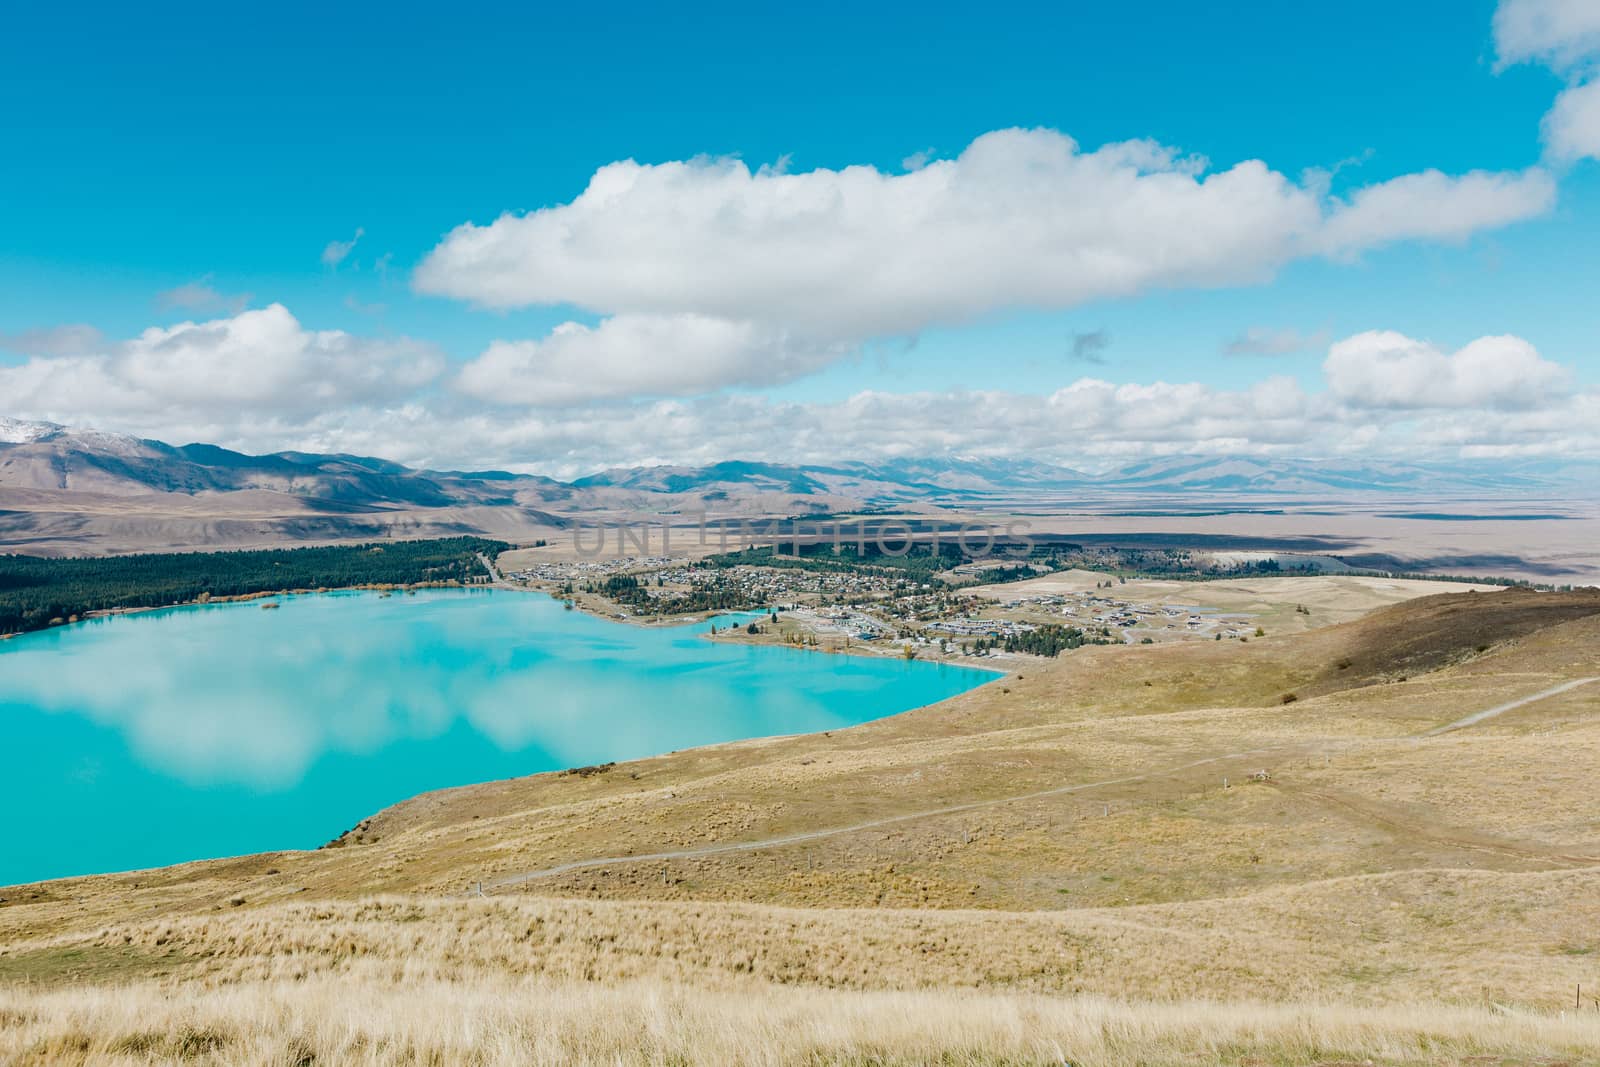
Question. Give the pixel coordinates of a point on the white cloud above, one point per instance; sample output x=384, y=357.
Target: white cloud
x=640, y=355
x=1432, y=205
x=256, y=361
x=1087, y=423
x=1383, y=369
x=1082, y=423
x=1562, y=34
x=1572, y=127
x=260, y=381
x=1021, y=218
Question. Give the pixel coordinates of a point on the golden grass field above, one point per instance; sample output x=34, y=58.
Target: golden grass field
x=1073, y=863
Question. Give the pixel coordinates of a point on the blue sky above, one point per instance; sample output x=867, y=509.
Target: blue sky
x=222, y=149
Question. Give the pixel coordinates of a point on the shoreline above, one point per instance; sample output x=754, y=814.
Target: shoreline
x=609, y=611
x=734, y=634
x=236, y=598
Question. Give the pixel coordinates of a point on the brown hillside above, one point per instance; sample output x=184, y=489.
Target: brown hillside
x=1429, y=633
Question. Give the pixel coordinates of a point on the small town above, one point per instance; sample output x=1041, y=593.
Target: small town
x=871, y=610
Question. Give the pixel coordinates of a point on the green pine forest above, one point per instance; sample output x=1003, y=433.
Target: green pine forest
x=36, y=593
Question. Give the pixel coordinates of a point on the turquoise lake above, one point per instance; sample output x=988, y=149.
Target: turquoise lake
x=193, y=733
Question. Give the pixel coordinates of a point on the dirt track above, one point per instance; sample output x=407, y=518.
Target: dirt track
x=1368, y=811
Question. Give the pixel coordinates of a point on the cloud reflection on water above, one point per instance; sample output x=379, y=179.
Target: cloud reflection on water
x=233, y=694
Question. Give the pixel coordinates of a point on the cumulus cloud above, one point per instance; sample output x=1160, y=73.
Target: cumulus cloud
x=1383, y=369
x=261, y=381
x=1083, y=422
x=1087, y=423
x=640, y=355
x=1564, y=35
x=256, y=361
x=1572, y=126
x=1432, y=205
x=1495, y=395
x=1021, y=218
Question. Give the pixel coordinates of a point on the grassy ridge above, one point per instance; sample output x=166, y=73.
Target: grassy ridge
x=36, y=593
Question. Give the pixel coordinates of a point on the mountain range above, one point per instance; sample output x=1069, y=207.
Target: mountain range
x=47, y=457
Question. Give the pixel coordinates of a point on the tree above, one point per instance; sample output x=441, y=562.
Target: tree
x=34, y=591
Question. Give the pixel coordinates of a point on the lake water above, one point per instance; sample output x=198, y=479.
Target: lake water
x=199, y=732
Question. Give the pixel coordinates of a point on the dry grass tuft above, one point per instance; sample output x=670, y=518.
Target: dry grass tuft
x=492, y=1022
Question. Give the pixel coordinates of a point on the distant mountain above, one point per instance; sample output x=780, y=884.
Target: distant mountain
x=46, y=457
x=1289, y=476
x=950, y=480
x=980, y=474
x=20, y=432
x=891, y=480
x=1344, y=478
x=763, y=476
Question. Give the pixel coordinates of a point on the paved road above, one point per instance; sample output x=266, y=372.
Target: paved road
x=495, y=577
x=1489, y=713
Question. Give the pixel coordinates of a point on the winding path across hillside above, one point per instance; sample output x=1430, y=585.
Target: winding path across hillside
x=870, y=824
x=1510, y=705
x=976, y=805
